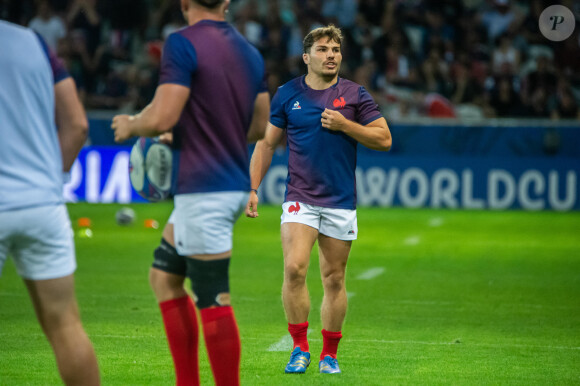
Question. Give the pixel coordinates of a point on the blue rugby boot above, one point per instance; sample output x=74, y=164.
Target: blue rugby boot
x=299, y=361
x=329, y=365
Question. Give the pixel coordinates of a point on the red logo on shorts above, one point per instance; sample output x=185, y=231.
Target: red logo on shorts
x=339, y=103
x=294, y=208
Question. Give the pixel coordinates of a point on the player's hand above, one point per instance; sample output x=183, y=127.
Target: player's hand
x=333, y=120
x=166, y=138
x=252, y=205
x=121, y=126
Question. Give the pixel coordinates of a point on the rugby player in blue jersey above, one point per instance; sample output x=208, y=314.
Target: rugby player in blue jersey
x=43, y=127
x=213, y=93
x=324, y=117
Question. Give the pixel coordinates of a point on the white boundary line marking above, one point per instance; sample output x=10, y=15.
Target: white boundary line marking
x=370, y=274
x=284, y=344
x=412, y=240
x=287, y=341
x=436, y=222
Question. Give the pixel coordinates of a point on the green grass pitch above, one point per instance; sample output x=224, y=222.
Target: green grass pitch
x=435, y=297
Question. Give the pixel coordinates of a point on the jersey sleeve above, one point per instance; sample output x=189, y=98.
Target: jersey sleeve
x=264, y=83
x=277, y=113
x=367, y=110
x=178, y=61
x=59, y=71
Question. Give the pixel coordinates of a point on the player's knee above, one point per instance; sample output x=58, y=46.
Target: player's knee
x=210, y=282
x=333, y=281
x=295, y=273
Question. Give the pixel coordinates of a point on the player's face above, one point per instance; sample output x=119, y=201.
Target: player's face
x=324, y=58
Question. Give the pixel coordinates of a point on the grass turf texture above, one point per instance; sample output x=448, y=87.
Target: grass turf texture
x=459, y=297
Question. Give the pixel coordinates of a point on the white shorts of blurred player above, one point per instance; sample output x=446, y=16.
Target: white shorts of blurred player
x=203, y=222
x=339, y=224
x=40, y=241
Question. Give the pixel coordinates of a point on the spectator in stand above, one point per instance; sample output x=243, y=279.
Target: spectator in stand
x=372, y=10
x=543, y=77
x=465, y=88
x=502, y=18
x=505, y=57
x=399, y=69
x=434, y=73
x=567, y=58
x=50, y=26
x=84, y=17
x=538, y=105
x=529, y=29
x=504, y=100
x=562, y=104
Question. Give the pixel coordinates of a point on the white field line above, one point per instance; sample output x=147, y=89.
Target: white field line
x=284, y=344
x=349, y=295
x=412, y=240
x=370, y=274
x=436, y=222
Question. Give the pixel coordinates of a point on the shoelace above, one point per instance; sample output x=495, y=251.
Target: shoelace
x=332, y=361
x=296, y=354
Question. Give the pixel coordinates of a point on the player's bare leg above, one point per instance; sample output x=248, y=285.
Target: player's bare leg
x=297, y=242
x=333, y=257
x=57, y=311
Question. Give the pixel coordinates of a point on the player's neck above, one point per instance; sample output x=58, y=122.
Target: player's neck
x=317, y=82
x=196, y=14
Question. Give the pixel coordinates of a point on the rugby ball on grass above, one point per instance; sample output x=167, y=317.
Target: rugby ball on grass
x=151, y=169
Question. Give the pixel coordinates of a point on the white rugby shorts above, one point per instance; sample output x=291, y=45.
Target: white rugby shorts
x=339, y=224
x=40, y=241
x=203, y=222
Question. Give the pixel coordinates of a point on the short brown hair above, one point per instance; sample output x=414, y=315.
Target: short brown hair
x=333, y=33
x=209, y=3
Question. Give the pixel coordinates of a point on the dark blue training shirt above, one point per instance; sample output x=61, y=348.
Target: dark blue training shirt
x=225, y=73
x=321, y=162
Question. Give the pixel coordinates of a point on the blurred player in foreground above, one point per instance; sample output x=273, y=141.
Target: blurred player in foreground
x=324, y=117
x=213, y=88
x=35, y=93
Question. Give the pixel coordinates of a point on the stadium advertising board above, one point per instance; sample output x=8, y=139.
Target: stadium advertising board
x=531, y=183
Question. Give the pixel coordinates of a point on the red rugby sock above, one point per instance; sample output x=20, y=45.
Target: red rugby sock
x=181, y=328
x=330, y=342
x=299, y=334
x=222, y=340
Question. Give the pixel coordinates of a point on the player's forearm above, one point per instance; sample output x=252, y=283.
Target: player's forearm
x=260, y=163
x=71, y=121
x=373, y=137
x=148, y=123
x=71, y=144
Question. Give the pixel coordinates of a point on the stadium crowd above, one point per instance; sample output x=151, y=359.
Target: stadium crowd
x=436, y=58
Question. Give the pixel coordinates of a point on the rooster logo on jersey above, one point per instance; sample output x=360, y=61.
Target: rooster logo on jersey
x=339, y=103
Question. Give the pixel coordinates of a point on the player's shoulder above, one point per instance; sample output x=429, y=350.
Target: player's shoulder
x=346, y=84
x=291, y=86
x=15, y=31
x=288, y=90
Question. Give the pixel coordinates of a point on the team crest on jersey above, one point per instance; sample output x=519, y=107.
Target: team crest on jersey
x=339, y=103
x=296, y=106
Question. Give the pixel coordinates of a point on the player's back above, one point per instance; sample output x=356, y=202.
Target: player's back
x=30, y=159
x=228, y=74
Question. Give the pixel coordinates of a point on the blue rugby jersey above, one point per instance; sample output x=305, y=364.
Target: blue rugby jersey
x=225, y=73
x=30, y=158
x=321, y=162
